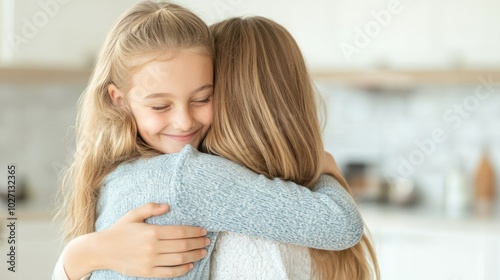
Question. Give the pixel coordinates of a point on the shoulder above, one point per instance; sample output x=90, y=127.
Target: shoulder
x=192, y=163
x=162, y=168
x=151, y=165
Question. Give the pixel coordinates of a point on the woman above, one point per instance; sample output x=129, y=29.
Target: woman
x=266, y=103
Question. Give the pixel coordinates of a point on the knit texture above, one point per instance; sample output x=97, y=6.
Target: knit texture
x=217, y=194
x=243, y=257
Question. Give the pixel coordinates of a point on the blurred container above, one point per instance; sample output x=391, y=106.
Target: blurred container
x=21, y=191
x=457, y=191
x=484, y=185
x=365, y=181
x=402, y=191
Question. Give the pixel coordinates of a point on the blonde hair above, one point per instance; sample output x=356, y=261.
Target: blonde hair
x=107, y=135
x=266, y=119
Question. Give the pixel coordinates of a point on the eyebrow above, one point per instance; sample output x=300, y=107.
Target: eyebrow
x=161, y=94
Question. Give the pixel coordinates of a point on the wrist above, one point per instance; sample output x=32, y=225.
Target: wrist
x=94, y=254
x=79, y=257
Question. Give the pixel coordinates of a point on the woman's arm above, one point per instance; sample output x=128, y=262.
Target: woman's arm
x=212, y=192
x=174, y=247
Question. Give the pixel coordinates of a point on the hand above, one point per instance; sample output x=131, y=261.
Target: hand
x=330, y=166
x=134, y=248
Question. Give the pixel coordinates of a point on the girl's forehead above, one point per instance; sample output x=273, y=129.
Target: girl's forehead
x=152, y=64
x=180, y=72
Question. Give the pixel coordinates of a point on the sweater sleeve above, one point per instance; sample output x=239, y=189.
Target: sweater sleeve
x=221, y=195
x=217, y=194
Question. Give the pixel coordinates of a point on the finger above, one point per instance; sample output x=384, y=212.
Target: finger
x=180, y=258
x=170, y=272
x=145, y=211
x=181, y=245
x=181, y=232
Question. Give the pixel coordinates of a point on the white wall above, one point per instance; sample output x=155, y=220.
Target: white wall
x=62, y=32
x=419, y=34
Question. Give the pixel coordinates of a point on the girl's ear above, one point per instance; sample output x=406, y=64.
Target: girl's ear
x=116, y=95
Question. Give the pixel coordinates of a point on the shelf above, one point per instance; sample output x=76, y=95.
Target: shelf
x=23, y=75
x=401, y=80
x=384, y=80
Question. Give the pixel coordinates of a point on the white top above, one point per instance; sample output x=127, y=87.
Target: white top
x=238, y=256
x=59, y=272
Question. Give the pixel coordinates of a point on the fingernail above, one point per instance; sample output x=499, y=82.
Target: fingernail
x=191, y=266
x=207, y=241
x=203, y=231
x=203, y=253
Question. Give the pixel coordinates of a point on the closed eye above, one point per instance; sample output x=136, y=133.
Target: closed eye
x=160, y=108
x=203, y=101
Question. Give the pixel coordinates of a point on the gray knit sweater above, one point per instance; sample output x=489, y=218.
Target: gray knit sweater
x=219, y=195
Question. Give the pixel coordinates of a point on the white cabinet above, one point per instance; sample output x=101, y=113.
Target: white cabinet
x=416, y=256
x=414, y=247
x=38, y=247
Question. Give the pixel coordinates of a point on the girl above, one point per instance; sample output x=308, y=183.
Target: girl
x=265, y=98
x=151, y=93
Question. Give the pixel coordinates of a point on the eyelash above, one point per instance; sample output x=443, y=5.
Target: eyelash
x=204, y=101
x=159, y=108
x=207, y=100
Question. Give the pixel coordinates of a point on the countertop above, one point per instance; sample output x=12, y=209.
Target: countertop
x=429, y=220
x=379, y=218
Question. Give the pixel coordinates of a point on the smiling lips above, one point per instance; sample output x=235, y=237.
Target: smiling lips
x=182, y=137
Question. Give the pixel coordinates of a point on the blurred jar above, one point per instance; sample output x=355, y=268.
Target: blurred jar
x=365, y=180
x=457, y=191
x=402, y=191
x=484, y=185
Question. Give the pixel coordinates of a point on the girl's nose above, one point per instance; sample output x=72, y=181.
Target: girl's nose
x=183, y=120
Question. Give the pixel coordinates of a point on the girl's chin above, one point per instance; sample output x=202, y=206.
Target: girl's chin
x=173, y=149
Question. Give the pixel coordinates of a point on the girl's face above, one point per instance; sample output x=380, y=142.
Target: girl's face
x=171, y=101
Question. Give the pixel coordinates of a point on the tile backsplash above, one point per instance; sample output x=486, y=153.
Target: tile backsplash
x=394, y=130
x=35, y=121
x=419, y=133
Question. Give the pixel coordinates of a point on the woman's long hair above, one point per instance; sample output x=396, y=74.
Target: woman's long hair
x=107, y=135
x=265, y=118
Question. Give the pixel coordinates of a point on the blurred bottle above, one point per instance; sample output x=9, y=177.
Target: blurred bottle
x=484, y=184
x=457, y=190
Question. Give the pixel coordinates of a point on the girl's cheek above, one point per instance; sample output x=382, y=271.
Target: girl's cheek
x=210, y=114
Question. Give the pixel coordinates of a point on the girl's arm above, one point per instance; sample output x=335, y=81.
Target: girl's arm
x=217, y=194
x=106, y=250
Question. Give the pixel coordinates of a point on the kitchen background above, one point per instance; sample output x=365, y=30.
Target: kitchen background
x=411, y=91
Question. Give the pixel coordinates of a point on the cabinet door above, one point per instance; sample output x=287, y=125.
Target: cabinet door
x=38, y=246
x=440, y=257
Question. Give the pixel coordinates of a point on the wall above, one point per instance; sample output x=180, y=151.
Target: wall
x=58, y=32
x=395, y=130
x=383, y=33
x=35, y=135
